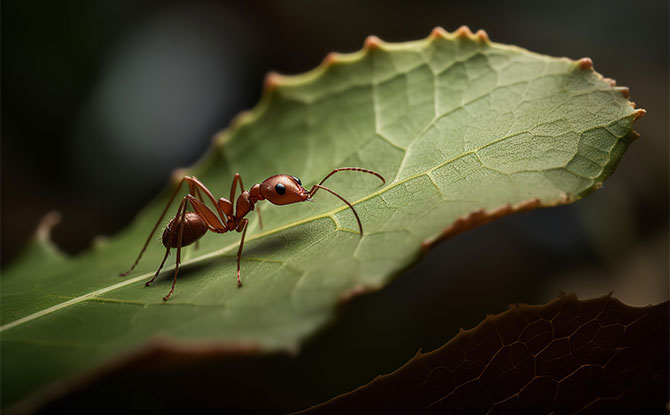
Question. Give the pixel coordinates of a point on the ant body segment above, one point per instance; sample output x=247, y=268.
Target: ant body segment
x=188, y=227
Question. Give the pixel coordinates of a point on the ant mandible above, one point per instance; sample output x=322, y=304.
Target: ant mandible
x=189, y=227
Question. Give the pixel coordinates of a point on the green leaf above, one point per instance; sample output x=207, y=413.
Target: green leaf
x=567, y=356
x=464, y=130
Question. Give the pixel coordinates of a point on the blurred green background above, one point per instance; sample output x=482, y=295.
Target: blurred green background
x=102, y=100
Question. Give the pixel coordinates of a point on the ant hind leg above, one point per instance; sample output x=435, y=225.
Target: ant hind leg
x=198, y=195
x=158, y=271
x=180, y=211
x=158, y=222
x=182, y=222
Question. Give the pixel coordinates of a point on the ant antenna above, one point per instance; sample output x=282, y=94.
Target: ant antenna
x=360, y=226
x=374, y=173
x=316, y=187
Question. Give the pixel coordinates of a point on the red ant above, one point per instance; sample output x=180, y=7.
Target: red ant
x=189, y=227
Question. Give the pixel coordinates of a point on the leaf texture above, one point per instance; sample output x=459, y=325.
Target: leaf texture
x=463, y=129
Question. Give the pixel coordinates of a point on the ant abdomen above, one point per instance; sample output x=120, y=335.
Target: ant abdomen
x=194, y=229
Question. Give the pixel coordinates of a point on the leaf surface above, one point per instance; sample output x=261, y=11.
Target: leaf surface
x=464, y=130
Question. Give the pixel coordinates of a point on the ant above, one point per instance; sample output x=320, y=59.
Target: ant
x=188, y=227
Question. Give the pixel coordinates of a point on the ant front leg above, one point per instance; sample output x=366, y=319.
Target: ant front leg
x=242, y=227
x=260, y=221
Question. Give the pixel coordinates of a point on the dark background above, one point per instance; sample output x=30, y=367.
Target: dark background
x=102, y=100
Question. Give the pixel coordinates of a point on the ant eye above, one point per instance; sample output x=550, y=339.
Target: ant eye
x=296, y=180
x=280, y=189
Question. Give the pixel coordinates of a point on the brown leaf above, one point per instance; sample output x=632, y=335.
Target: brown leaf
x=567, y=356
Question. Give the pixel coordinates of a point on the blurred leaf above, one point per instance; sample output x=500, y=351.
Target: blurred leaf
x=463, y=129
x=567, y=356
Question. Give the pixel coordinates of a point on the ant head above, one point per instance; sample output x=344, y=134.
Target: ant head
x=283, y=189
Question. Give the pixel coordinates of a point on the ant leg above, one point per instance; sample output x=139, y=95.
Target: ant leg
x=232, y=194
x=205, y=214
x=167, y=250
x=198, y=195
x=158, y=271
x=242, y=227
x=260, y=221
x=160, y=218
x=193, y=181
x=236, y=179
x=213, y=223
x=182, y=222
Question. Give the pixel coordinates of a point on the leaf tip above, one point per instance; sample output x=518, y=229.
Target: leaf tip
x=463, y=32
x=610, y=81
x=271, y=82
x=41, y=238
x=639, y=113
x=46, y=225
x=438, y=32
x=623, y=90
x=330, y=59
x=372, y=43
x=239, y=119
x=220, y=138
x=482, y=36
x=585, y=64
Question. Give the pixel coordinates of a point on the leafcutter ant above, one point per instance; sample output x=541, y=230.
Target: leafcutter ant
x=188, y=227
